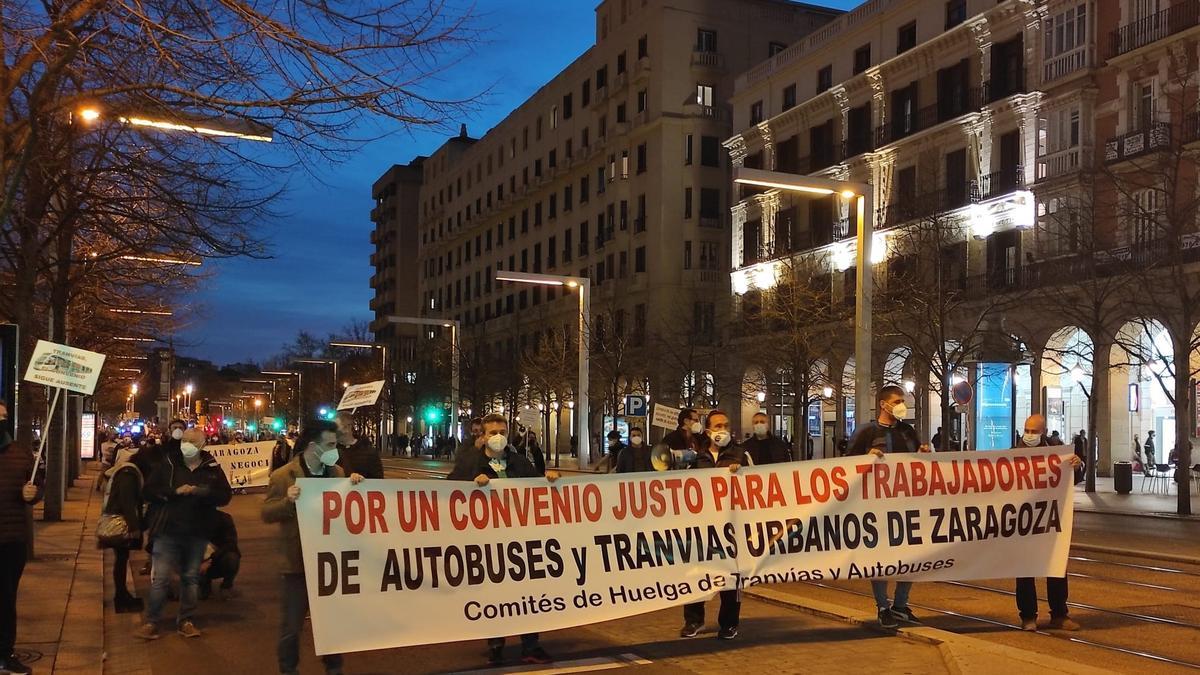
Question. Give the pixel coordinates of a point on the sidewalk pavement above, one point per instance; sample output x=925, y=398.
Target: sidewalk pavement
x=1137, y=503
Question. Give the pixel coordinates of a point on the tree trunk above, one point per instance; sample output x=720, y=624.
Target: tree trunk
x=1089, y=468
x=1183, y=431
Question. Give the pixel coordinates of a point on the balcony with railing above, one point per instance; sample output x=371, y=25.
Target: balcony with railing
x=1062, y=65
x=1191, y=128
x=1064, y=162
x=1156, y=136
x=642, y=68
x=944, y=110
x=709, y=60
x=997, y=184
x=857, y=144
x=1175, y=19
x=1001, y=87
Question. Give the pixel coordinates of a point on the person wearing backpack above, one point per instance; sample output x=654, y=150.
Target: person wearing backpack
x=123, y=497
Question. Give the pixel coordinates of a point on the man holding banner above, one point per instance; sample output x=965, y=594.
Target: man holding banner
x=316, y=457
x=498, y=459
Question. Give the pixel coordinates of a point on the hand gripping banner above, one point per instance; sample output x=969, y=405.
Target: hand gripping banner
x=392, y=563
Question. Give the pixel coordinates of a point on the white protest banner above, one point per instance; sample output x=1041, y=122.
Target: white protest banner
x=71, y=368
x=360, y=395
x=245, y=464
x=524, y=555
x=665, y=416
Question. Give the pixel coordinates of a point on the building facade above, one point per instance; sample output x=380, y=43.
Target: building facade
x=1021, y=134
x=612, y=171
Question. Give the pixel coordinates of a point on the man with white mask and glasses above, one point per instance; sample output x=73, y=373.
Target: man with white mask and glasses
x=888, y=433
x=765, y=447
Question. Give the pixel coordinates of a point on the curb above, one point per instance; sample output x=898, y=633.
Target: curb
x=1135, y=553
x=962, y=655
x=1138, y=514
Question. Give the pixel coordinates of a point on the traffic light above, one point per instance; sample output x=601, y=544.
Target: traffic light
x=277, y=425
x=433, y=414
x=252, y=427
x=228, y=423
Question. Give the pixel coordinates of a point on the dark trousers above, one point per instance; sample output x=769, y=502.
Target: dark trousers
x=294, y=602
x=224, y=567
x=12, y=564
x=120, y=572
x=528, y=641
x=1056, y=596
x=728, y=617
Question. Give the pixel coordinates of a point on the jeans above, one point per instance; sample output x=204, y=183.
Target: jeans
x=175, y=552
x=294, y=602
x=880, y=588
x=1056, y=595
x=528, y=641
x=12, y=564
x=728, y=617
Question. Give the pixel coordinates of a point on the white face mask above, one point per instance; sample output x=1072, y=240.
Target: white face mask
x=497, y=443
x=330, y=457
x=189, y=450
x=760, y=429
x=1031, y=440
x=635, y=440
x=721, y=438
x=177, y=434
x=900, y=410
x=697, y=427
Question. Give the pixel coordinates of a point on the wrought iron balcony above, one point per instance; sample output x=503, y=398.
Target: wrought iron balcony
x=1127, y=146
x=1001, y=87
x=998, y=183
x=1175, y=19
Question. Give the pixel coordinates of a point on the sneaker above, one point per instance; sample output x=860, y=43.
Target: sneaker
x=496, y=656
x=1063, y=623
x=535, y=655
x=905, y=614
x=1029, y=625
x=147, y=631
x=14, y=666
x=727, y=633
x=887, y=619
x=188, y=630
x=690, y=630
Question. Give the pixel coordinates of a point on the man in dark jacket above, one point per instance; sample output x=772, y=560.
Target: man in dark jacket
x=356, y=455
x=468, y=447
x=16, y=494
x=225, y=561
x=888, y=434
x=717, y=449
x=316, y=457
x=764, y=447
x=1056, y=587
x=187, y=489
x=636, y=457
x=685, y=440
x=497, y=459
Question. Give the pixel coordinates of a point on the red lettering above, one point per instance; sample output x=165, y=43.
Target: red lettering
x=540, y=505
x=457, y=498
x=1039, y=471
x=356, y=512
x=331, y=507
x=1021, y=465
x=692, y=496
x=882, y=474
x=920, y=483
x=1004, y=473
x=863, y=470
x=801, y=498
x=841, y=488
x=1055, y=462
x=375, y=506
x=720, y=490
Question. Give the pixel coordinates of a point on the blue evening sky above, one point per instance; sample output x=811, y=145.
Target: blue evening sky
x=318, y=277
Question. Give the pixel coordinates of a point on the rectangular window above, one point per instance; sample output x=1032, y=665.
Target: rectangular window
x=639, y=222
x=552, y=159
x=862, y=58
x=687, y=203
x=583, y=239
x=623, y=264
x=537, y=258
x=706, y=40
x=756, y=112
x=825, y=79
x=583, y=190
x=553, y=206
x=566, y=107
x=643, y=48
x=585, y=94
x=906, y=37
x=710, y=204
x=956, y=13
x=641, y=158
x=553, y=117
x=643, y=100
x=567, y=194
x=600, y=181
x=621, y=63
x=601, y=77
x=710, y=151
x=687, y=255
x=569, y=150
x=789, y=97
x=704, y=95
x=687, y=150
x=623, y=213
x=621, y=116
x=567, y=250
x=639, y=259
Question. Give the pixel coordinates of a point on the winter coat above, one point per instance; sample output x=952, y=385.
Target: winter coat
x=723, y=457
x=360, y=458
x=277, y=508
x=769, y=450
x=124, y=498
x=900, y=437
x=634, y=460
x=16, y=463
x=477, y=462
x=190, y=515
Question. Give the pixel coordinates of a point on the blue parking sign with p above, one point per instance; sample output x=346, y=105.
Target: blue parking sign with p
x=635, y=406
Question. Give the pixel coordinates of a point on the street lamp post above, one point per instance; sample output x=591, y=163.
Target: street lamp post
x=324, y=362
x=863, y=196
x=583, y=284
x=299, y=388
x=454, y=325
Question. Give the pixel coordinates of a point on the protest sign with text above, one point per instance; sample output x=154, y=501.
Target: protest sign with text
x=245, y=464
x=526, y=555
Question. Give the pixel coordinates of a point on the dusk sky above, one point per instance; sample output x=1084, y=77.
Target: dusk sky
x=318, y=279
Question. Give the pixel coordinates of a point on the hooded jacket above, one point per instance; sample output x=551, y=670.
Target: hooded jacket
x=191, y=515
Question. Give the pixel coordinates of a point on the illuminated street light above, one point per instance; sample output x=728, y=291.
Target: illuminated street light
x=584, y=286
x=232, y=128
x=761, y=396
x=153, y=312
x=863, y=195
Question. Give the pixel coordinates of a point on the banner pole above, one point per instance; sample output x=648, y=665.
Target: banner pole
x=37, y=459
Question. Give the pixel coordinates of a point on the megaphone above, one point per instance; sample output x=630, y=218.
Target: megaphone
x=661, y=457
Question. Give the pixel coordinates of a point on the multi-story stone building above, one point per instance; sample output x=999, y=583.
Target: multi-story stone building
x=1015, y=127
x=612, y=171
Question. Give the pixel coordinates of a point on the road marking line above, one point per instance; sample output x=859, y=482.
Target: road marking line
x=564, y=667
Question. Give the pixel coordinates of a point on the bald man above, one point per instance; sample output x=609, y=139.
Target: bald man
x=1034, y=436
